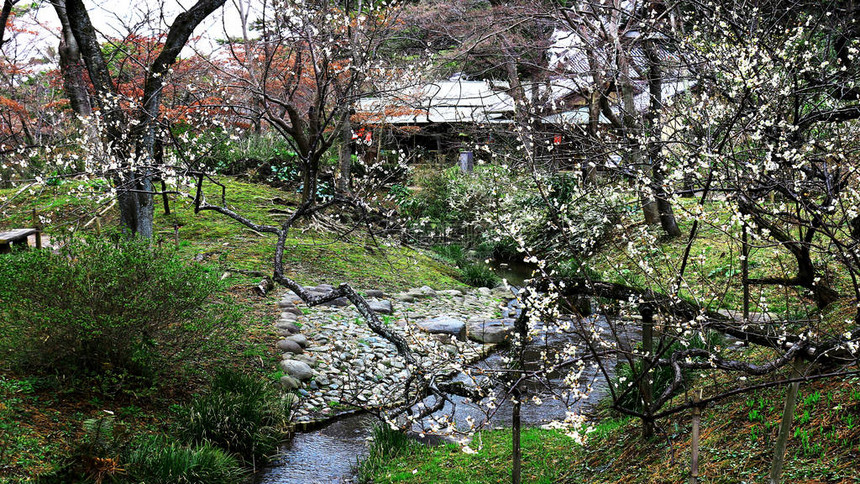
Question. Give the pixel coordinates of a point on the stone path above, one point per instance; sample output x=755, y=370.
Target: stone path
x=335, y=362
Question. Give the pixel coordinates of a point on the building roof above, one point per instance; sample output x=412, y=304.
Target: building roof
x=449, y=101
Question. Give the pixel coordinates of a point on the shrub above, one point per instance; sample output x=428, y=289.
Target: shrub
x=121, y=308
x=156, y=460
x=241, y=414
x=452, y=253
x=479, y=274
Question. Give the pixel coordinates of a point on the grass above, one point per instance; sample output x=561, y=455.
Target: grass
x=311, y=256
x=824, y=447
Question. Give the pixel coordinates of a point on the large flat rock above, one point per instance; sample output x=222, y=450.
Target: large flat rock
x=490, y=331
x=444, y=325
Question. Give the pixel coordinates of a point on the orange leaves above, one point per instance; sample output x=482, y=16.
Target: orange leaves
x=11, y=105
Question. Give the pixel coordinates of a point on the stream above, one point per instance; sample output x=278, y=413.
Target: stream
x=329, y=454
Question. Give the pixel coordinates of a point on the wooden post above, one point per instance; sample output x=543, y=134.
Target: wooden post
x=98, y=225
x=515, y=435
x=745, y=273
x=37, y=224
x=645, y=380
x=176, y=234
x=694, y=446
x=785, y=425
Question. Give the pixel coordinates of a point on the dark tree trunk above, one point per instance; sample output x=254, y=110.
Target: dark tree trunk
x=70, y=65
x=655, y=90
x=4, y=17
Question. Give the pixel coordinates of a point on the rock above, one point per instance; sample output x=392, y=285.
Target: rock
x=304, y=358
x=289, y=383
x=492, y=331
x=289, y=307
x=381, y=307
x=288, y=326
x=405, y=297
x=289, y=316
x=423, y=291
x=450, y=292
x=289, y=346
x=297, y=369
x=340, y=302
x=299, y=339
x=444, y=325
x=374, y=293
x=484, y=291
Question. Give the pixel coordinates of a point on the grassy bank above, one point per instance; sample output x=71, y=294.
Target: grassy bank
x=737, y=438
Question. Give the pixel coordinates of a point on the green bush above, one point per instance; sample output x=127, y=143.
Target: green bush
x=452, y=253
x=156, y=460
x=240, y=414
x=479, y=274
x=100, y=307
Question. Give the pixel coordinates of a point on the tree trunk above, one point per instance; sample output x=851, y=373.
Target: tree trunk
x=133, y=183
x=633, y=131
x=70, y=65
x=345, y=157
x=4, y=17
x=655, y=90
x=516, y=451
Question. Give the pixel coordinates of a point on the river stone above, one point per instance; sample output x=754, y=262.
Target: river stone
x=289, y=307
x=374, y=293
x=381, y=307
x=297, y=369
x=289, y=326
x=492, y=331
x=299, y=339
x=423, y=291
x=405, y=297
x=340, y=302
x=289, y=346
x=304, y=358
x=444, y=325
x=289, y=316
x=450, y=292
x=484, y=291
x=289, y=383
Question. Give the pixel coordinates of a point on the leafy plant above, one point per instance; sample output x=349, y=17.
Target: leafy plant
x=241, y=414
x=479, y=274
x=157, y=460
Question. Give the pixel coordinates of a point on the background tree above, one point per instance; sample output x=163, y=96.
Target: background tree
x=130, y=137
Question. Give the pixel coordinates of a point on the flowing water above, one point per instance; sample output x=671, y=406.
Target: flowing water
x=328, y=455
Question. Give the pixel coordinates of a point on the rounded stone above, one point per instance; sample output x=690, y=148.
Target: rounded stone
x=289, y=383
x=299, y=339
x=289, y=346
x=297, y=369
